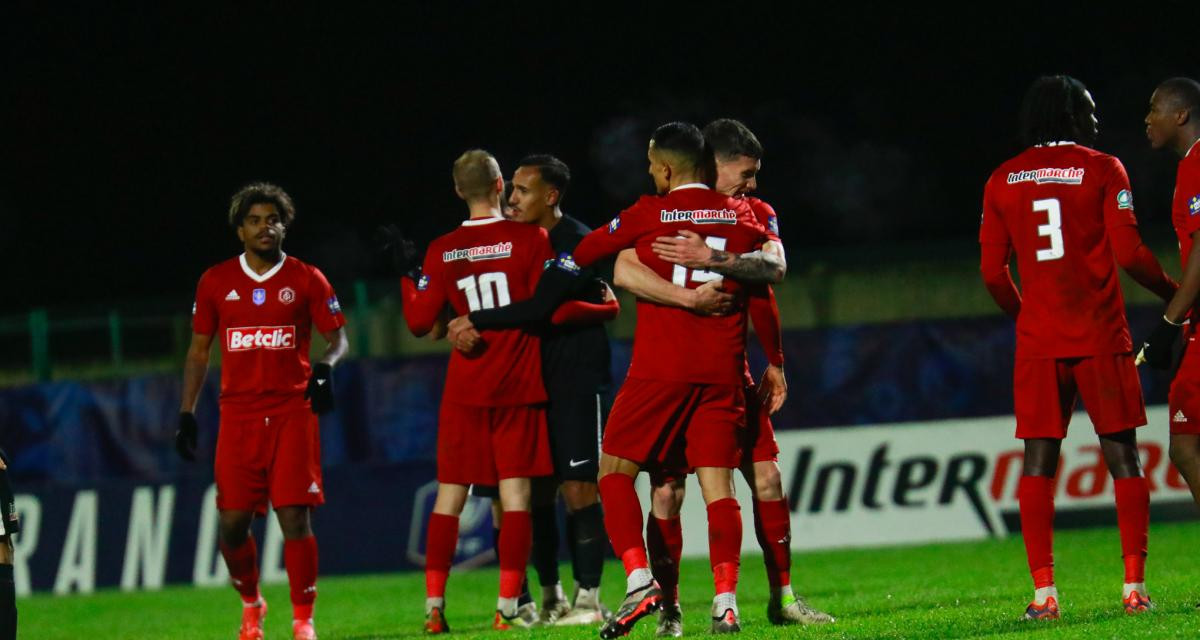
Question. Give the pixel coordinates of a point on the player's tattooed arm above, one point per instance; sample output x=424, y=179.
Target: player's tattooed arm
x=688, y=249
x=631, y=275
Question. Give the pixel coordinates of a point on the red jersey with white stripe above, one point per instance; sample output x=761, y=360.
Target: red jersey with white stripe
x=1054, y=205
x=264, y=324
x=669, y=343
x=484, y=264
x=1185, y=206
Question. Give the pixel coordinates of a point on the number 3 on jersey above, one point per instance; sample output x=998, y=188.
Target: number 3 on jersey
x=487, y=291
x=1052, y=229
x=679, y=275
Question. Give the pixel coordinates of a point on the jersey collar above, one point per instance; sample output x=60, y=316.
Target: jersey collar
x=690, y=185
x=1192, y=148
x=266, y=276
x=475, y=222
x=1056, y=143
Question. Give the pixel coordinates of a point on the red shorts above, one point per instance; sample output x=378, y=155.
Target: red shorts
x=276, y=457
x=1183, y=400
x=484, y=445
x=652, y=421
x=758, y=438
x=1045, y=390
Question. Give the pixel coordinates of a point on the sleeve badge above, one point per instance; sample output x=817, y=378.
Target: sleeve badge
x=1124, y=199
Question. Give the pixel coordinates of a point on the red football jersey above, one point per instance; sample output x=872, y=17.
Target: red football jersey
x=264, y=323
x=765, y=214
x=1185, y=207
x=1054, y=204
x=484, y=264
x=670, y=343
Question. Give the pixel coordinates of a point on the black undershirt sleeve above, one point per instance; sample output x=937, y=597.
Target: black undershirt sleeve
x=553, y=288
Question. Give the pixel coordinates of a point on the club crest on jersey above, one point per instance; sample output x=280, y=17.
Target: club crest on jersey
x=700, y=216
x=483, y=252
x=564, y=262
x=422, y=282
x=773, y=224
x=287, y=295
x=333, y=305
x=1048, y=175
x=1124, y=199
x=614, y=224
x=259, y=296
x=1194, y=205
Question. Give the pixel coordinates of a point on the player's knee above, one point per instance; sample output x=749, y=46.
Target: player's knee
x=1183, y=454
x=666, y=500
x=294, y=522
x=579, y=495
x=767, y=482
x=234, y=528
x=6, y=549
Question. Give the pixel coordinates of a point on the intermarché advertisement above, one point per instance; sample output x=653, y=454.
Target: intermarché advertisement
x=937, y=481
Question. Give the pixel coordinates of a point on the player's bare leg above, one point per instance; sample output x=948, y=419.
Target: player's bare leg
x=516, y=538
x=585, y=531
x=1035, y=495
x=623, y=521
x=300, y=559
x=773, y=528
x=1133, y=514
x=1185, y=454
x=664, y=541
x=241, y=558
x=724, y=544
x=441, y=538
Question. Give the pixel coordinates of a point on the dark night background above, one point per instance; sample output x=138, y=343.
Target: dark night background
x=125, y=131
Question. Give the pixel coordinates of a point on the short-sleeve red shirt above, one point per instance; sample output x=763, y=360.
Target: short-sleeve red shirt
x=1185, y=206
x=1054, y=204
x=670, y=343
x=484, y=264
x=264, y=324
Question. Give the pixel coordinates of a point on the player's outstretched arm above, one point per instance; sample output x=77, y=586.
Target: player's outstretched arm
x=993, y=265
x=582, y=312
x=631, y=275
x=320, y=384
x=553, y=288
x=195, y=369
x=1139, y=262
x=688, y=249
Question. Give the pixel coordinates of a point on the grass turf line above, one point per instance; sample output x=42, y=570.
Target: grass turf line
x=958, y=590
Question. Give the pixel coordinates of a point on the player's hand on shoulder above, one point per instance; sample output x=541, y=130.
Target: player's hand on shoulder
x=401, y=252
x=463, y=335
x=709, y=299
x=320, y=388
x=687, y=249
x=772, y=389
x=185, y=436
x=1158, y=347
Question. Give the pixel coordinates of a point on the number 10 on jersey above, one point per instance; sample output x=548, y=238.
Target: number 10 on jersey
x=485, y=291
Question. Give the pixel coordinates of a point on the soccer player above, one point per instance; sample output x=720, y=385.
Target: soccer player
x=263, y=305
x=672, y=398
x=738, y=158
x=1067, y=211
x=10, y=525
x=492, y=422
x=575, y=368
x=1174, y=123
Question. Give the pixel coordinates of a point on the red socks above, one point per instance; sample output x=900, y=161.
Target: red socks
x=773, y=527
x=623, y=520
x=664, y=539
x=516, y=539
x=300, y=559
x=441, y=538
x=243, y=569
x=1133, y=519
x=1036, y=497
x=725, y=543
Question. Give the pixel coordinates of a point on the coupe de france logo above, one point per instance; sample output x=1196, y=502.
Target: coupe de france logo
x=423, y=282
x=334, y=306
x=1194, y=205
x=259, y=296
x=614, y=224
x=1124, y=199
x=287, y=295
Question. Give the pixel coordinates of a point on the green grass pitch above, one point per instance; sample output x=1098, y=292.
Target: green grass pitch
x=961, y=590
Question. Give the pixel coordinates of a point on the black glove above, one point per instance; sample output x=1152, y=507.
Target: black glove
x=320, y=388
x=401, y=252
x=185, y=437
x=1157, y=348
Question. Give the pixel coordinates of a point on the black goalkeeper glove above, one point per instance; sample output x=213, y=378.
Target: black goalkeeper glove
x=1156, y=350
x=185, y=436
x=401, y=252
x=320, y=388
